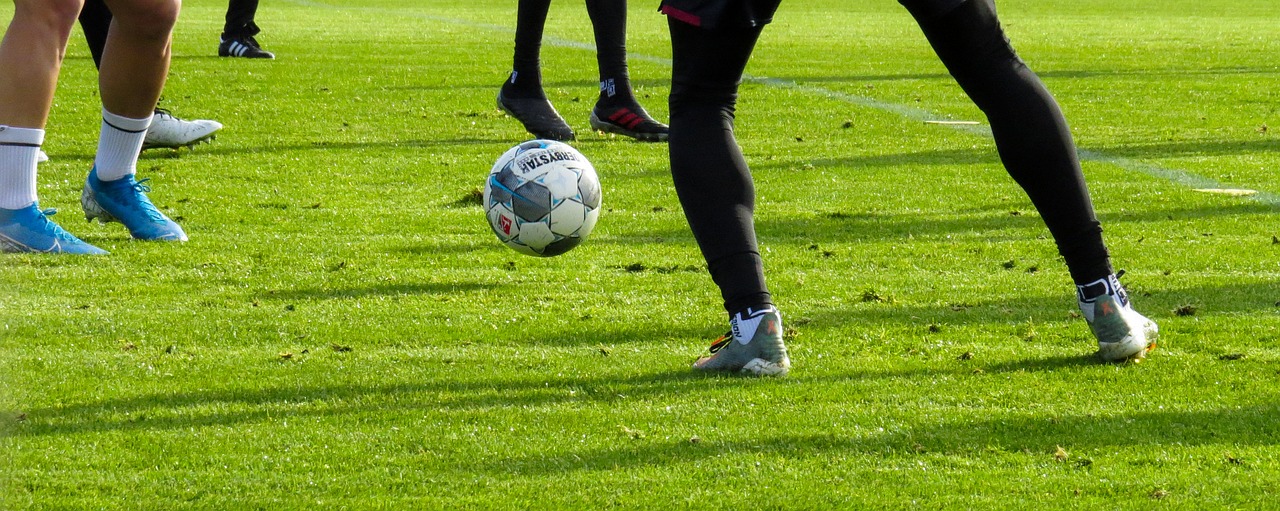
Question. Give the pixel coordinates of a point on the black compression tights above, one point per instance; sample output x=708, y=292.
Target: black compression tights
x=1030, y=132
x=714, y=183
x=711, y=177
x=609, y=24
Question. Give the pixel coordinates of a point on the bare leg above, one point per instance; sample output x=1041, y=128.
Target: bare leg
x=135, y=62
x=30, y=56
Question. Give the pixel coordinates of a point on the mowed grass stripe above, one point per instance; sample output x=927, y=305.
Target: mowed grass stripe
x=1178, y=176
x=342, y=331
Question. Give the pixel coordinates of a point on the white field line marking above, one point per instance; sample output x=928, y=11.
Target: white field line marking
x=1180, y=177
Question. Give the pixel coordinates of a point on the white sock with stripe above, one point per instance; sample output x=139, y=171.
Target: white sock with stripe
x=19, y=150
x=118, y=145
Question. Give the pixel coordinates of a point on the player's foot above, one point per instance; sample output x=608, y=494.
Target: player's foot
x=41, y=156
x=1122, y=333
x=125, y=200
x=753, y=346
x=171, y=132
x=30, y=230
x=630, y=121
x=538, y=117
x=243, y=46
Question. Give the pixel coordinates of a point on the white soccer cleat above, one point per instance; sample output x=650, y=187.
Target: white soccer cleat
x=1122, y=333
x=171, y=132
x=41, y=156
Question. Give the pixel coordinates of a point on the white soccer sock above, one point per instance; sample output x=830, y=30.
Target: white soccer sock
x=744, y=324
x=19, y=148
x=118, y=145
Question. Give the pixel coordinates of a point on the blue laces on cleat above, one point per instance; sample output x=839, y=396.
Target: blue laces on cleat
x=144, y=203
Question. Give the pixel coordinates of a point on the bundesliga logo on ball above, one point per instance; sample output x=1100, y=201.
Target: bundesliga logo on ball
x=542, y=198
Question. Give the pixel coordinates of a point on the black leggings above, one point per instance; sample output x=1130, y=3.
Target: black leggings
x=1031, y=134
x=714, y=183
x=711, y=176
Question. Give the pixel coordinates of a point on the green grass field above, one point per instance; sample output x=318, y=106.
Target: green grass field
x=344, y=332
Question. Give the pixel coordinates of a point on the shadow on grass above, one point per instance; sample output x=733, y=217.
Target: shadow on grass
x=374, y=290
x=1035, y=365
x=429, y=248
x=1162, y=72
x=532, y=388
x=582, y=90
x=986, y=155
x=1180, y=148
x=1157, y=303
x=1242, y=427
x=231, y=406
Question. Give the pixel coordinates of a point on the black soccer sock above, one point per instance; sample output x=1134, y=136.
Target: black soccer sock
x=1030, y=131
x=710, y=174
x=609, y=21
x=95, y=21
x=526, y=70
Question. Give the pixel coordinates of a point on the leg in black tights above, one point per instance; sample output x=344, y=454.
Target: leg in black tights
x=526, y=75
x=1031, y=134
x=715, y=187
x=609, y=22
x=711, y=176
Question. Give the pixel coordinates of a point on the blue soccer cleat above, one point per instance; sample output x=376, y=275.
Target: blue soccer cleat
x=125, y=200
x=30, y=230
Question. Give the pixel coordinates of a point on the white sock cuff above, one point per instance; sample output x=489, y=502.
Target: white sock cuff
x=13, y=135
x=118, y=145
x=126, y=124
x=18, y=150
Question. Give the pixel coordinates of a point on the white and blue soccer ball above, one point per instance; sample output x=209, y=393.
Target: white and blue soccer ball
x=542, y=198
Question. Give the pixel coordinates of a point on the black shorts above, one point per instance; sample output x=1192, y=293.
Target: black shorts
x=712, y=14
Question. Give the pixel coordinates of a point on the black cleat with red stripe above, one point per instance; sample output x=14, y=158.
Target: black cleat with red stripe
x=631, y=121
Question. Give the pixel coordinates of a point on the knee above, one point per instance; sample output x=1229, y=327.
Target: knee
x=147, y=18
x=970, y=42
x=55, y=16
x=689, y=96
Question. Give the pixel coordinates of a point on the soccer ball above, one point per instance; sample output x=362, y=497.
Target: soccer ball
x=542, y=198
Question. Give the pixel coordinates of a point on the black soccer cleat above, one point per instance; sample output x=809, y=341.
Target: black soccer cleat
x=631, y=121
x=538, y=117
x=243, y=46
